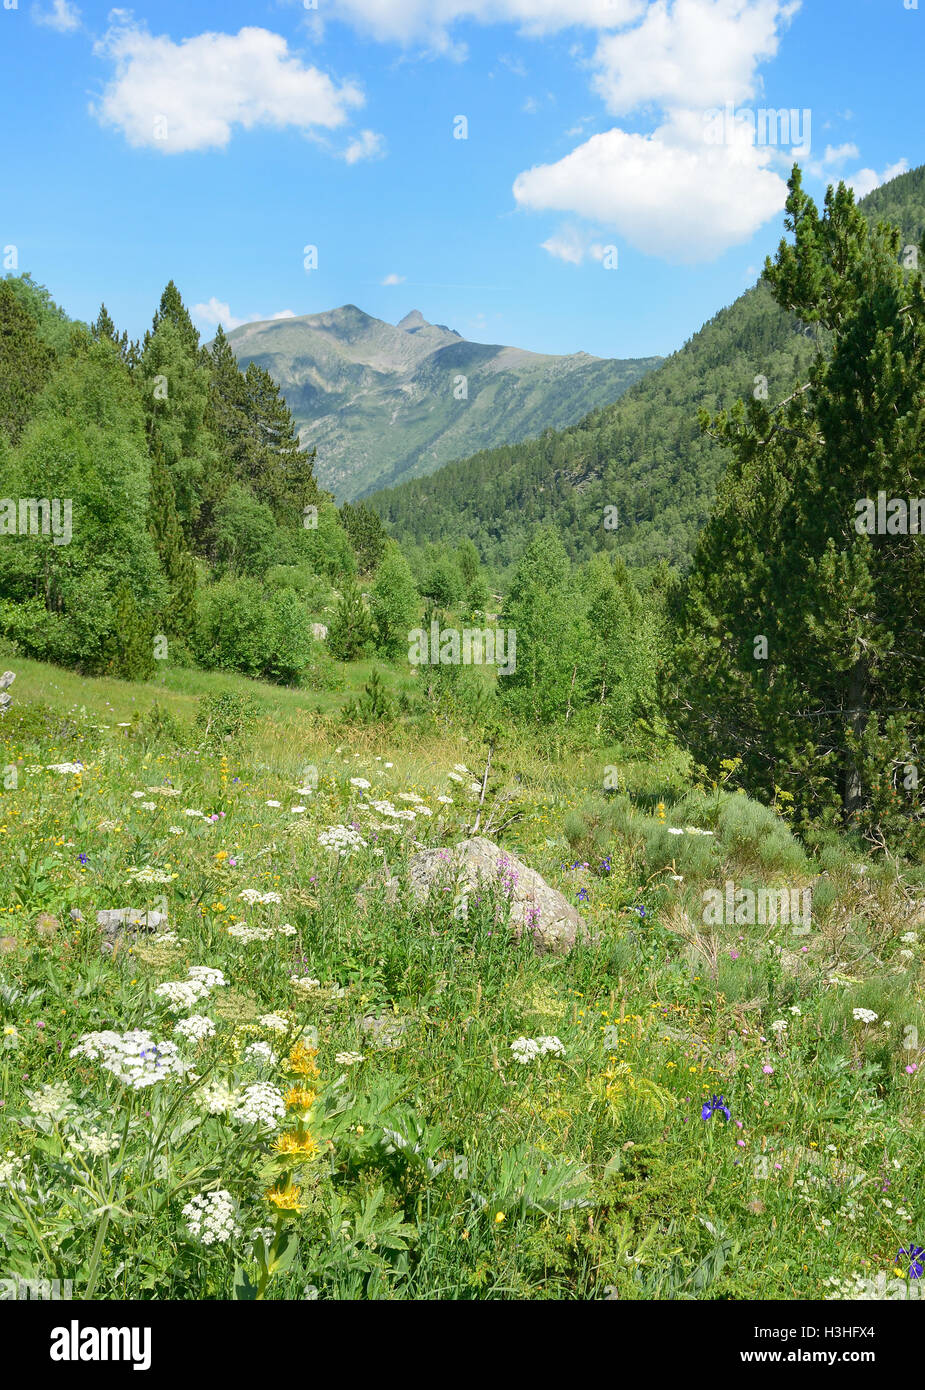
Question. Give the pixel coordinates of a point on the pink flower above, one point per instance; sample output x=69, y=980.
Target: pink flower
x=911, y=1068
x=768, y=1071
x=741, y=1143
x=733, y=955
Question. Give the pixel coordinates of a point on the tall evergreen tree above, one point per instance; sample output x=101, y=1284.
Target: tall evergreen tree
x=799, y=643
x=25, y=363
x=176, y=561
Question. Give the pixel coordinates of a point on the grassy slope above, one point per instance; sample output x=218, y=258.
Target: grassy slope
x=653, y=1019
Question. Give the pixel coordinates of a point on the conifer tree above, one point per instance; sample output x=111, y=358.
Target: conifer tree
x=352, y=629
x=799, y=632
x=176, y=561
x=25, y=363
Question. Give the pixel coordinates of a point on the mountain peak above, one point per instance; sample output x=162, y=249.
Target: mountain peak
x=413, y=320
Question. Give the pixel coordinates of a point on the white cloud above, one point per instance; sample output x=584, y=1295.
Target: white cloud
x=672, y=192
x=429, y=21
x=367, y=145
x=866, y=180
x=62, y=16
x=217, y=312
x=394, y=279
x=176, y=97
x=692, y=53
x=572, y=245
x=669, y=193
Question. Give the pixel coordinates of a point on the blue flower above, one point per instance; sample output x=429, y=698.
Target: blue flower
x=582, y=895
x=715, y=1105
x=916, y=1266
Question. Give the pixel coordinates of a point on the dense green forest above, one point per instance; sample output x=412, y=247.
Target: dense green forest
x=645, y=454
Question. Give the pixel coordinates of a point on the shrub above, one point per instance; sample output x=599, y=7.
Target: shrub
x=225, y=717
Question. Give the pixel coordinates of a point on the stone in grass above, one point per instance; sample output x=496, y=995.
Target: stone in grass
x=537, y=908
x=386, y=1033
x=114, y=920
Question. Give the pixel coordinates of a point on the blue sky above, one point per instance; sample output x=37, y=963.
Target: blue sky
x=212, y=143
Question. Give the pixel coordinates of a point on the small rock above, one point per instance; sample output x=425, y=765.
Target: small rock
x=319, y=631
x=112, y=920
x=550, y=918
x=75, y=914
x=384, y=1032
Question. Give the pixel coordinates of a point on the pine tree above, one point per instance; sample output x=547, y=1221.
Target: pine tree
x=25, y=363
x=176, y=561
x=352, y=630
x=799, y=646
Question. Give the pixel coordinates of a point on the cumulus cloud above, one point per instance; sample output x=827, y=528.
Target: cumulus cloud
x=216, y=312
x=394, y=279
x=176, y=97
x=669, y=193
x=367, y=145
x=62, y=16
x=866, y=180
x=692, y=53
x=430, y=21
x=673, y=192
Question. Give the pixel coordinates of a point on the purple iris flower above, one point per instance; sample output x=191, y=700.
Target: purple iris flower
x=916, y=1266
x=715, y=1105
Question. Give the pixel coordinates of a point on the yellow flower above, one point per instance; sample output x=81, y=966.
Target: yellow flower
x=302, y=1060
x=299, y=1098
x=286, y=1200
x=297, y=1143
x=499, y=1217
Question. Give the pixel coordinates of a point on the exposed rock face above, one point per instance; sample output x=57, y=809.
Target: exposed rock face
x=551, y=920
x=319, y=631
x=6, y=680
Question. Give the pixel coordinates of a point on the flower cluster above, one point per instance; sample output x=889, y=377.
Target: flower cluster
x=342, y=838
x=134, y=1057
x=526, y=1049
x=210, y=1217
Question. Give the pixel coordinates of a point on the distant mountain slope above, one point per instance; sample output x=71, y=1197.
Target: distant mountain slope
x=644, y=454
x=384, y=402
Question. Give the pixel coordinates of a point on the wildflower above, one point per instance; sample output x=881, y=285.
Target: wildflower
x=864, y=1015
x=210, y=1217
x=275, y=1022
x=499, y=1217
x=274, y=803
x=10, y=1037
x=300, y=1098
x=915, y=1255
x=778, y=1026
x=768, y=1071
x=360, y=782
x=296, y=1144
x=715, y=1105
x=217, y=1097
x=911, y=1068
x=134, y=1057
x=306, y=982
x=342, y=838
x=795, y=1009
x=261, y=1104
x=348, y=1059
x=261, y=1053
x=52, y=1101
x=197, y=1026
x=301, y=1060
x=287, y=1199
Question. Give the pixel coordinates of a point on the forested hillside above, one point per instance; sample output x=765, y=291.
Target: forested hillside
x=645, y=454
